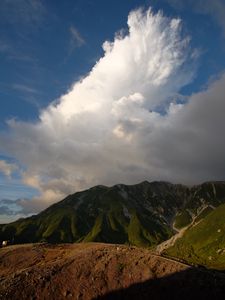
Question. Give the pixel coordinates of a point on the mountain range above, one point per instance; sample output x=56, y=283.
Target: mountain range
x=144, y=214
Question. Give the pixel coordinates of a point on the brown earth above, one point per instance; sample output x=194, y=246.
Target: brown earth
x=100, y=271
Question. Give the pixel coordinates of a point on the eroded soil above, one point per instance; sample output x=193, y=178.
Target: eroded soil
x=85, y=271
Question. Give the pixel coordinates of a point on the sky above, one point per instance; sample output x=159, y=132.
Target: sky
x=105, y=92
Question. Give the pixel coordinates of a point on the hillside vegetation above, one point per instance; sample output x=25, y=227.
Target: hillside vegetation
x=203, y=243
x=144, y=214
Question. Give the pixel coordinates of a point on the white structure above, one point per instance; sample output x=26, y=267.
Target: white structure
x=4, y=243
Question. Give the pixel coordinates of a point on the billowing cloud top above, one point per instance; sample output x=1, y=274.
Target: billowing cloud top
x=108, y=129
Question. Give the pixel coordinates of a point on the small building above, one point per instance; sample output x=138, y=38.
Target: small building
x=4, y=243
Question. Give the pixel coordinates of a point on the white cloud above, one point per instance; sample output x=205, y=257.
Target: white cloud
x=24, y=88
x=22, y=12
x=106, y=129
x=7, y=168
x=76, y=39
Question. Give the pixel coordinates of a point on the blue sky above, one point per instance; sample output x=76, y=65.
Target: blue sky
x=47, y=46
x=40, y=59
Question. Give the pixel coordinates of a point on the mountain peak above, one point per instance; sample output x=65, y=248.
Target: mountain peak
x=142, y=214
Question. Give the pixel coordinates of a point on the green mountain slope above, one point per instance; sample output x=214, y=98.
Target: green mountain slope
x=143, y=214
x=120, y=214
x=204, y=243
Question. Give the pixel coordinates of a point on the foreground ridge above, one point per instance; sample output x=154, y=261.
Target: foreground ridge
x=100, y=271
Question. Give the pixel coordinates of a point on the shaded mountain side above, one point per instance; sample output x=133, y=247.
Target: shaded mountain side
x=100, y=271
x=203, y=243
x=143, y=214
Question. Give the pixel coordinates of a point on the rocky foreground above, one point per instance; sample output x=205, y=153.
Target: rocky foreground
x=100, y=271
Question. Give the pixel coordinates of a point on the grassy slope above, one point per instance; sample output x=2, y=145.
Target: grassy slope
x=99, y=217
x=137, y=214
x=204, y=243
x=182, y=219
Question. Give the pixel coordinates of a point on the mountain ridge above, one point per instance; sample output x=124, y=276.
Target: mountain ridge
x=143, y=214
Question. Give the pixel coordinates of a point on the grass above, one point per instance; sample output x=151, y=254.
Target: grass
x=98, y=214
x=92, y=236
x=99, y=219
x=204, y=213
x=183, y=219
x=136, y=234
x=204, y=243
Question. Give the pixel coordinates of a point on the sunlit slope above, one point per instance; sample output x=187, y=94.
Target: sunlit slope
x=144, y=214
x=204, y=243
x=121, y=214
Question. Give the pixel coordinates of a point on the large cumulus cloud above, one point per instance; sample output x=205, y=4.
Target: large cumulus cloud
x=108, y=129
